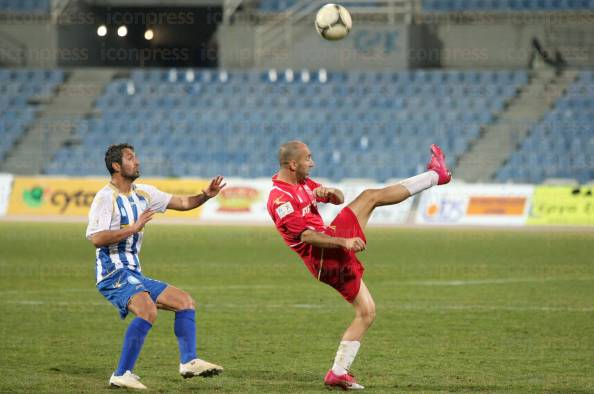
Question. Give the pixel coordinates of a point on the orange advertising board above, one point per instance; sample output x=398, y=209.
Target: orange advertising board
x=496, y=205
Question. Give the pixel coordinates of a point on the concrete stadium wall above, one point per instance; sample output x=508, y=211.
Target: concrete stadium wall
x=370, y=46
x=38, y=43
x=397, y=47
x=486, y=46
x=236, y=45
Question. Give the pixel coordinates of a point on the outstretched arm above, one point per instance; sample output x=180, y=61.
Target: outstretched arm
x=185, y=203
x=321, y=240
x=333, y=195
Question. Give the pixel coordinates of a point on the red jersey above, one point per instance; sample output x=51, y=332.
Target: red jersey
x=294, y=209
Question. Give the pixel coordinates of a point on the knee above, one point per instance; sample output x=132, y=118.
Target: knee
x=370, y=195
x=187, y=302
x=148, y=313
x=368, y=314
x=372, y=315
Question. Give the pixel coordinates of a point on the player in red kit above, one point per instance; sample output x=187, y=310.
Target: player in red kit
x=329, y=252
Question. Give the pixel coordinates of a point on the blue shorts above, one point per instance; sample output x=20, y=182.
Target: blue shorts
x=120, y=286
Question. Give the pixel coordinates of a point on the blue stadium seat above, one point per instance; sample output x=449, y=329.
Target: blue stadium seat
x=563, y=141
x=25, y=6
x=17, y=89
x=237, y=118
x=506, y=5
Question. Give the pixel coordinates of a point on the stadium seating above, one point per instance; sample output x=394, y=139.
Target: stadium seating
x=469, y=5
x=204, y=122
x=561, y=145
x=25, y=6
x=275, y=5
x=17, y=87
x=506, y=5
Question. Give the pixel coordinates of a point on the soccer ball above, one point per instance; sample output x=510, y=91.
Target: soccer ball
x=333, y=22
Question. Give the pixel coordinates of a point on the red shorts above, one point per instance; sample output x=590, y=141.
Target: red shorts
x=338, y=267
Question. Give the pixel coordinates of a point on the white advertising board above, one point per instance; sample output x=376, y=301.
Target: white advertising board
x=387, y=215
x=478, y=204
x=244, y=200
x=5, y=188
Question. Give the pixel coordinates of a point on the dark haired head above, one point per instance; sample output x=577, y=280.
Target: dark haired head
x=114, y=155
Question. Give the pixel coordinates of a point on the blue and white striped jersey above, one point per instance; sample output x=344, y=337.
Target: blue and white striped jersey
x=112, y=210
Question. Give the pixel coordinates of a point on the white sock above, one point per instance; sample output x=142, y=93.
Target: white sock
x=420, y=182
x=347, y=350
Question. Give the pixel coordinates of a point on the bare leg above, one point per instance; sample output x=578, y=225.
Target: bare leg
x=174, y=299
x=351, y=340
x=369, y=199
x=364, y=315
x=143, y=306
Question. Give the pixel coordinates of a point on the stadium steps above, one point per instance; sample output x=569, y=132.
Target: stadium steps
x=56, y=123
x=500, y=139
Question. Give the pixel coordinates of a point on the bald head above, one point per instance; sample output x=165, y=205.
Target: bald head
x=289, y=151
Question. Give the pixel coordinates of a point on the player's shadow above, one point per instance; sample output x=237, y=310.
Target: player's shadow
x=73, y=373
x=283, y=377
x=73, y=370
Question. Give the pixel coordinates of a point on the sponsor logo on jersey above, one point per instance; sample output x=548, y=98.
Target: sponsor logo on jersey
x=284, y=210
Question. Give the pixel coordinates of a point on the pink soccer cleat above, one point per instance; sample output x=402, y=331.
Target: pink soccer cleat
x=438, y=165
x=343, y=382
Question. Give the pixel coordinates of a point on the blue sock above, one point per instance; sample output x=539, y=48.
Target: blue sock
x=133, y=341
x=185, y=331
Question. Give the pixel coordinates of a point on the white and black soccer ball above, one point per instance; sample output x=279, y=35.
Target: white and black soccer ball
x=333, y=22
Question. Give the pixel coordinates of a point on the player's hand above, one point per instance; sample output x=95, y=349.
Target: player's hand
x=214, y=187
x=355, y=244
x=322, y=192
x=329, y=194
x=143, y=219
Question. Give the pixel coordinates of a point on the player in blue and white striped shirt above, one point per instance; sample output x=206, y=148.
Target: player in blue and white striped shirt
x=117, y=218
x=114, y=210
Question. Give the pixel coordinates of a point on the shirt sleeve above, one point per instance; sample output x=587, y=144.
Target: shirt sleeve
x=100, y=215
x=158, y=200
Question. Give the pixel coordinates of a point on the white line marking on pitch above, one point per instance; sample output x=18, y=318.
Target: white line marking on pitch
x=471, y=282
x=457, y=282
x=510, y=308
x=325, y=307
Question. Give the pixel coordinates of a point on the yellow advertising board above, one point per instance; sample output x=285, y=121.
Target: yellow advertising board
x=562, y=205
x=63, y=196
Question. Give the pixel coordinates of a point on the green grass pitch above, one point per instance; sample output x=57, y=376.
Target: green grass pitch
x=457, y=310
